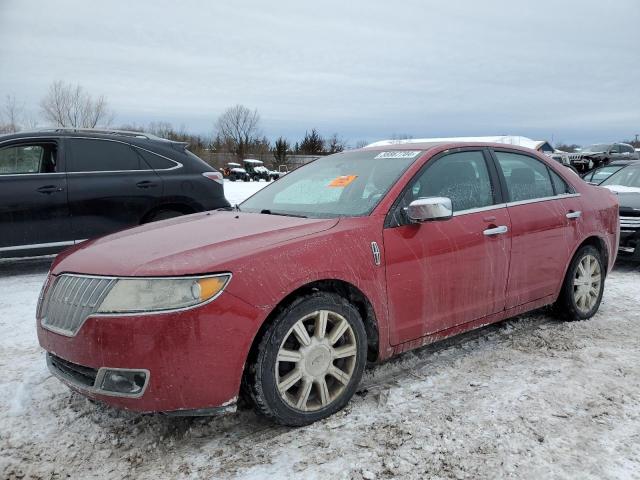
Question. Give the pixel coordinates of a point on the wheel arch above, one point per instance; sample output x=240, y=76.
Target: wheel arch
x=343, y=288
x=599, y=243
x=183, y=208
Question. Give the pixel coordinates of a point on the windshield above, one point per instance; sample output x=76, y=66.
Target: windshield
x=598, y=147
x=347, y=184
x=627, y=177
x=603, y=173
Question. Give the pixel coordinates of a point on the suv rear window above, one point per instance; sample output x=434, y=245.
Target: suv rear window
x=155, y=161
x=92, y=155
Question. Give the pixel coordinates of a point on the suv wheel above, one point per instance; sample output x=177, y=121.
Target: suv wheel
x=310, y=361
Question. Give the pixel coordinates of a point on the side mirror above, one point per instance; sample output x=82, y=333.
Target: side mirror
x=430, y=208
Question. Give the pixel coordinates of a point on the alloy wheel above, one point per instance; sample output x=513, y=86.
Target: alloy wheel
x=316, y=360
x=586, y=283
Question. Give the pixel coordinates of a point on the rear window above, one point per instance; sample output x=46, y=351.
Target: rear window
x=89, y=155
x=155, y=161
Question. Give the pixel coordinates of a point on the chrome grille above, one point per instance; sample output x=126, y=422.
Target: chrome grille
x=70, y=300
x=629, y=222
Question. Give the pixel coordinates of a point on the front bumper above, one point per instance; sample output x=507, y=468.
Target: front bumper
x=629, y=244
x=193, y=359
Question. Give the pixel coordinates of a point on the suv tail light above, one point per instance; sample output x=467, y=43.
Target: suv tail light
x=215, y=176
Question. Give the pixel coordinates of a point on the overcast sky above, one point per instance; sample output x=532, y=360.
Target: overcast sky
x=561, y=70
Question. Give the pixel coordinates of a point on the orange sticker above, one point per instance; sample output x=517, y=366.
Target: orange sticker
x=342, y=181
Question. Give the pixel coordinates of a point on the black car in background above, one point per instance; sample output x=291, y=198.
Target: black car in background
x=626, y=184
x=60, y=187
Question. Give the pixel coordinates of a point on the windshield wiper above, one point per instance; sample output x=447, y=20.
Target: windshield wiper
x=269, y=212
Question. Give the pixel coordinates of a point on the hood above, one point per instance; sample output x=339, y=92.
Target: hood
x=628, y=197
x=200, y=243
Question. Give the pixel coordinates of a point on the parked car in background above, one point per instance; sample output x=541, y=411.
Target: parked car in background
x=626, y=184
x=599, y=154
x=599, y=175
x=355, y=257
x=62, y=186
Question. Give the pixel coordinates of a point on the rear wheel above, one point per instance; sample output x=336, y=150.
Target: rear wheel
x=310, y=361
x=583, y=286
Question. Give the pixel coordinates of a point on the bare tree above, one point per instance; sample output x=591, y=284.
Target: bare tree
x=67, y=105
x=334, y=144
x=11, y=116
x=239, y=127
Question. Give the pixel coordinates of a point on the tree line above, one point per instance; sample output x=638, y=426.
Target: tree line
x=236, y=131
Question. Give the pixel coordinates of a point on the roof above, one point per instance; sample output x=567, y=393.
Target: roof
x=506, y=139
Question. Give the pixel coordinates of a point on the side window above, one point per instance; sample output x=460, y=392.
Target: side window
x=526, y=177
x=626, y=149
x=155, y=161
x=561, y=187
x=615, y=149
x=88, y=155
x=25, y=159
x=463, y=177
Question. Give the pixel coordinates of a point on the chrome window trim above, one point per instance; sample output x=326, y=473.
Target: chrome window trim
x=543, y=199
x=99, y=378
x=513, y=204
x=41, y=245
x=469, y=211
x=6, y=175
x=56, y=137
x=134, y=314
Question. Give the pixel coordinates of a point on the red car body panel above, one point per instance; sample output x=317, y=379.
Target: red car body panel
x=435, y=280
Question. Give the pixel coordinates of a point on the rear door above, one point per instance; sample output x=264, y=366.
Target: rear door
x=543, y=227
x=33, y=197
x=111, y=187
x=445, y=273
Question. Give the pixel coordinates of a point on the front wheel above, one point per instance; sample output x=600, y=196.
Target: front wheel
x=583, y=286
x=310, y=360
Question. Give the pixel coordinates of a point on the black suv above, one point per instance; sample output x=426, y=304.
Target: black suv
x=60, y=187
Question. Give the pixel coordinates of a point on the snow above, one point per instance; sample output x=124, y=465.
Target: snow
x=531, y=397
x=237, y=192
x=507, y=139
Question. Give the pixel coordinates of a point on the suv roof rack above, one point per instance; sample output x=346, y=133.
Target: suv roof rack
x=105, y=131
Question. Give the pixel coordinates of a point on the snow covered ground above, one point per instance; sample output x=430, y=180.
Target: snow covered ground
x=530, y=398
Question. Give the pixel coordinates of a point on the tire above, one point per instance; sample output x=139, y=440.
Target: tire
x=294, y=384
x=164, y=215
x=581, y=301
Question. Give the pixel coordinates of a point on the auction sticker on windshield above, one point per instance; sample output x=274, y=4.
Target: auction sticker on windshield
x=399, y=154
x=342, y=181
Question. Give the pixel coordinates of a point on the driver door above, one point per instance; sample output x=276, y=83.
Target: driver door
x=441, y=274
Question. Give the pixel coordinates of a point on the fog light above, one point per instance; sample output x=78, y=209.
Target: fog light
x=126, y=382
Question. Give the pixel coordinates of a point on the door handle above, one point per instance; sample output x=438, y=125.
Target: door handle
x=574, y=215
x=489, y=232
x=146, y=184
x=49, y=189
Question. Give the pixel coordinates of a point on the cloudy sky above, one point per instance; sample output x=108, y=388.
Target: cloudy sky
x=562, y=70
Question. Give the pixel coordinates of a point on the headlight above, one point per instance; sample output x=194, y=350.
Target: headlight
x=130, y=295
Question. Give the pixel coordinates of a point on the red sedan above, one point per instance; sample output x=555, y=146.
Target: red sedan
x=355, y=257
